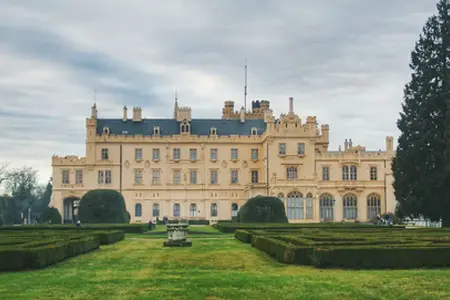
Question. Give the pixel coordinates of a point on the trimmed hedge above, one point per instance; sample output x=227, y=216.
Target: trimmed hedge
x=38, y=249
x=103, y=206
x=263, y=209
x=353, y=248
x=127, y=228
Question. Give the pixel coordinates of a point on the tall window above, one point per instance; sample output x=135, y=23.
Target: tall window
x=309, y=206
x=213, y=154
x=234, y=209
x=291, y=173
x=105, y=154
x=326, y=204
x=100, y=177
x=79, y=177
x=234, y=153
x=177, y=176
x=255, y=154
x=255, y=176
x=108, y=176
x=325, y=173
x=373, y=206
x=176, y=210
x=155, y=154
x=156, y=210
x=373, y=173
x=193, y=154
x=193, y=210
x=137, y=176
x=176, y=153
x=295, y=205
x=138, y=210
x=301, y=149
x=138, y=154
x=214, y=210
x=65, y=177
x=350, y=205
x=213, y=177
x=234, y=176
x=155, y=176
x=349, y=172
x=282, y=149
x=193, y=177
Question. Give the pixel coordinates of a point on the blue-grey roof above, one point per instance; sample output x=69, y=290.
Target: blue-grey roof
x=172, y=126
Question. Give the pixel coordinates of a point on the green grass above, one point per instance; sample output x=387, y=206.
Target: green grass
x=140, y=268
x=194, y=232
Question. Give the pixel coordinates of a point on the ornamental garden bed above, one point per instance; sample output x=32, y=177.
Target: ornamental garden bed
x=353, y=248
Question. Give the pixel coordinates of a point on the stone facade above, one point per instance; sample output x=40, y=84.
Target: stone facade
x=186, y=168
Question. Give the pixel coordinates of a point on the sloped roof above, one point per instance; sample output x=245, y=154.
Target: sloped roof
x=172, y=126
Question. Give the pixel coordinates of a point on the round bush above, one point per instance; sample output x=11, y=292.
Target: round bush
x=50, y=216
x=102, y=206
x=261, y=209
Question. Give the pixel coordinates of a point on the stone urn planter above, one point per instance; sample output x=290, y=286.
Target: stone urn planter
x=177, y=236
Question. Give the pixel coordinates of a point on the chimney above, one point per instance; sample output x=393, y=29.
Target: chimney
x=137, y=114
x=345, y=145
x=350, y=144
x=291, y=105
x=242, y=115
x=94, y=111
x=125, y=116
x=389, y=144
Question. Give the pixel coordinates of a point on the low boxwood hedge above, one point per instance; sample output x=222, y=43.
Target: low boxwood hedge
x=127, y=228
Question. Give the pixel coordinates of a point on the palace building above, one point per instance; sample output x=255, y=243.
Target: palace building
x=186, y=168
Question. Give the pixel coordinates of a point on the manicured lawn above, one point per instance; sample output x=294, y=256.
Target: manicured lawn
x=140, y=268
x=194, y=231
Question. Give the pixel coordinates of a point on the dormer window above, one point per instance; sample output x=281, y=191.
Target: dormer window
x=106, y=130
x=156, y=130
x=213, y=131
x=254, y=131
x=185, y=128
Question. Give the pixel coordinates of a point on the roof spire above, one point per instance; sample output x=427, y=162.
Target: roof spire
x=175, y=107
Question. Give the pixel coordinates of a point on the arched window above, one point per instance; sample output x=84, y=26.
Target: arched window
x=373, y=206
x=138, y=210
x=106, y=130
x=234, y=209
x=185, y=127
x=326, y=204
x=156, y=210
x=193, y=210
x=214, y=210
x=254, y=131
x=350, y=205
x=156, y=130
x=309, y=206
x=213, y=131
x=295, y=206
x=176, y=210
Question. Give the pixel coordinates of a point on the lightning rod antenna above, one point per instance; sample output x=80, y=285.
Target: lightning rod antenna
x=245, y=86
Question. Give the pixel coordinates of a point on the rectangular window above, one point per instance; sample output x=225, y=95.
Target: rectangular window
x=345, y=173
x=79, y=177
x=108, y=177
x=213, y=177
x=176, y=176
x=301, y=149
x=325, y=173
x=100, y=177
x=193, y=154
x=176, y=153
x=234, y=154
x=234, y=176
x=105, y=154
x=291, y=173
x=193, y=177
x=353, y=173
x=255, y=154
x=373, y=173
x=255, y=176
x=65, y=177
x=155, y=154
x=282, y=149
x=138, y=154
x=155, y=176
x=137, y=176
x=213, y=154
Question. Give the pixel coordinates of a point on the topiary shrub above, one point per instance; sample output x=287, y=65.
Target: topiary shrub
x=50, y=216
x=102, y=206
x=261, y=209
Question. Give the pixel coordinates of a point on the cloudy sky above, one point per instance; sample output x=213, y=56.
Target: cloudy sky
x=344, y=61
